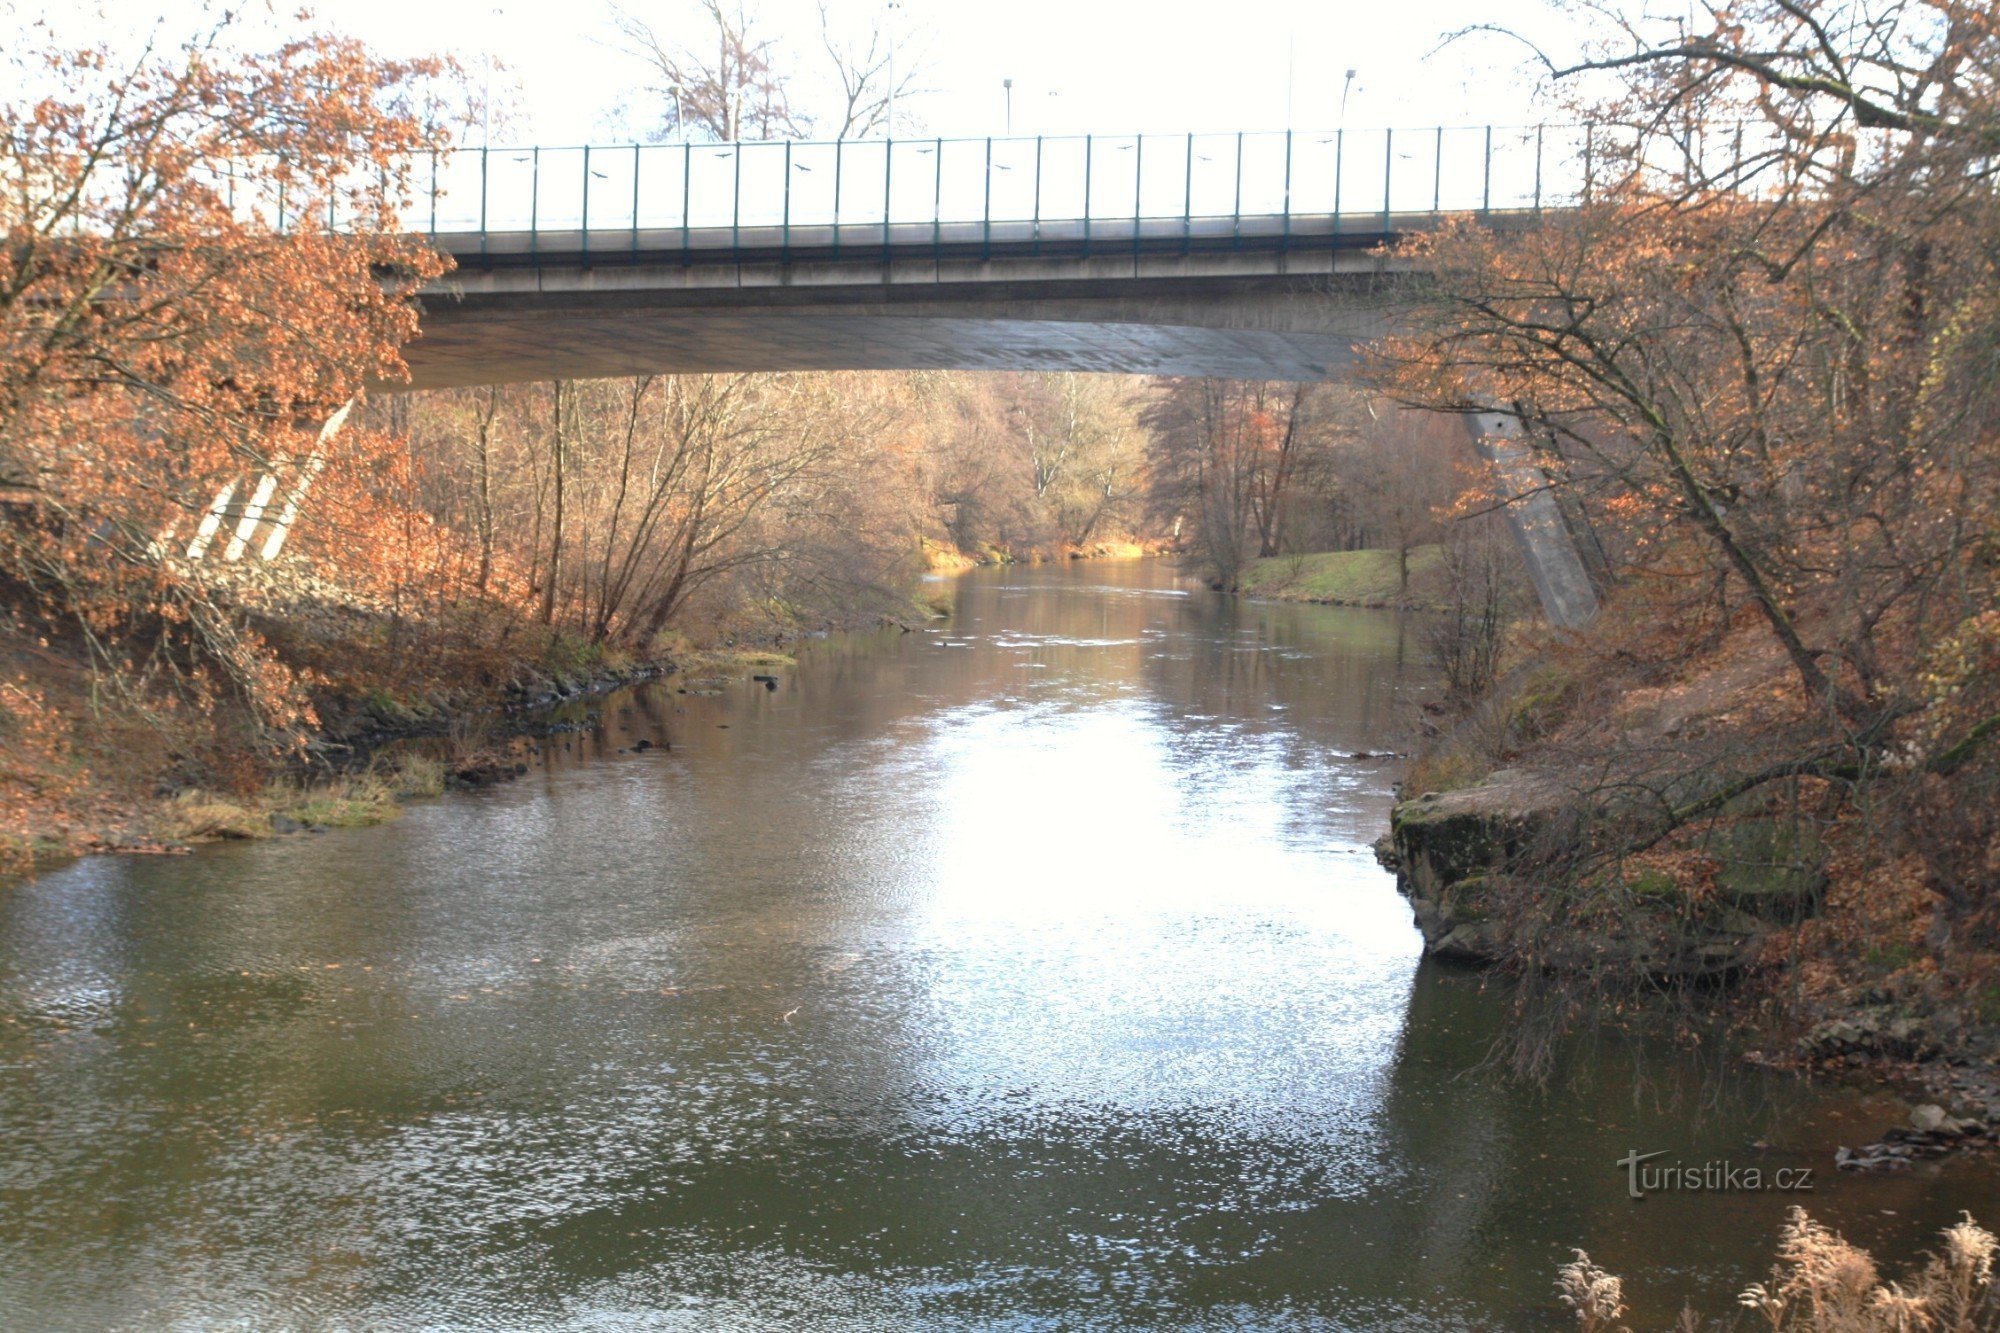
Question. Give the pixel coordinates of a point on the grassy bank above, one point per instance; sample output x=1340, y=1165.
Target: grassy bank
x=1346, y=578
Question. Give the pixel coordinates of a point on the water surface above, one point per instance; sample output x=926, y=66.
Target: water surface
x=1032, y=973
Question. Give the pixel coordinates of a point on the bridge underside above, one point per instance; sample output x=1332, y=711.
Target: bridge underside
x=556, y=309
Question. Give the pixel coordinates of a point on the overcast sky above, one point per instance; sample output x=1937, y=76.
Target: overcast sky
x=1100, y=65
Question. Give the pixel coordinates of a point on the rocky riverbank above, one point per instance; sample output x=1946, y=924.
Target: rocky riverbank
x=1468, y=859
x=1476, y=864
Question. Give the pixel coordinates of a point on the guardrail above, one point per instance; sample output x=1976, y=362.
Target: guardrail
x=708, y=195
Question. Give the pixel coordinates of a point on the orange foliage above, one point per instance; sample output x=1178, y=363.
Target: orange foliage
x=161, y=337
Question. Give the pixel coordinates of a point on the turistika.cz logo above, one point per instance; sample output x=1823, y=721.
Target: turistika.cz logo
x=1708, y=1177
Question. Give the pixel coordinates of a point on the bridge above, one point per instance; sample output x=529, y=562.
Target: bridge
x=1248, y=256
x=1240, y=256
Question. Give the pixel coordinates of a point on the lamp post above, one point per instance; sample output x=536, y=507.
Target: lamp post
x=680, y=124
x=1344, y=89
x=1007, y=85
x=889, y=112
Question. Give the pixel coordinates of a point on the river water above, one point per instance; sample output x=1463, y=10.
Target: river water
x=1030, y=974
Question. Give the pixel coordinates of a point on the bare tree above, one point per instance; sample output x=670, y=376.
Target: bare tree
x=872, y=74
x=736, y=81
x=724, y=85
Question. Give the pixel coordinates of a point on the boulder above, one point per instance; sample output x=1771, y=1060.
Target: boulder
x=1464, y=860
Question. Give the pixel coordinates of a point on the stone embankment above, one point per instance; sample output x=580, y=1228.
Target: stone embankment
x=1481, y=867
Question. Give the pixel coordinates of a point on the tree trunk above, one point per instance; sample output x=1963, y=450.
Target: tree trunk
x=556, y=534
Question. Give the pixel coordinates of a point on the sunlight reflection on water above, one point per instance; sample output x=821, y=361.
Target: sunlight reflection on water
x=1042, y=982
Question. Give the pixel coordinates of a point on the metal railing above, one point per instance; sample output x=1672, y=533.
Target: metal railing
x=1082, y=191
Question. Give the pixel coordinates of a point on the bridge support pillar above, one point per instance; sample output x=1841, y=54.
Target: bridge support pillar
x=255, y=513
x=1547, y=548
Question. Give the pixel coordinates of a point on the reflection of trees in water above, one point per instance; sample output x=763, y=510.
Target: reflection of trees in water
x=1505, y=1177
x=914, y=1133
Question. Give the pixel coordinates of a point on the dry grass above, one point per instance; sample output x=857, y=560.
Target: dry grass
x=1824, y=1284
x=349, y=801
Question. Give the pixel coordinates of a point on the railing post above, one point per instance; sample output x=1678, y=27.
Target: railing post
x=434, y=191
x=736, y=208
x=534, y=202
x=1339, y=170
x=1486, y=183
x=785, y=224
x=483, y=152
x=1038, y=194
x=635, y=199
x=1236, y=216
x=1388, y=167
x=838, y=146
x=1539, y=130
x=281, y=203
x=1437, y=173
x=1138, y=193
x=986, y=217
x=888, y=168
x=687, y=217
x=1589, y=147
x=1286, y=242
x=937, y=204
x=1187, y=203
x=1087, y=143
x=585, y=215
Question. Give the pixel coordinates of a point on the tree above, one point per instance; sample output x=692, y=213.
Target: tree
x=1231, y=456
x=175, y=313
x=868, y=83
x=1084, y=446
x=736, y=81
x=1773, y=361
x=1392, y=474
x=722, y=84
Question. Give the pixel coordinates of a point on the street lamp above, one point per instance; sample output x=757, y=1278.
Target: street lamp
x=680, y=124
x=1008, y=85
x=889, y=113
x=1344, y=87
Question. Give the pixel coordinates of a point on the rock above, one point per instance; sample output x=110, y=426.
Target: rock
x=286, y=824
x=1928, y=1118
x=642, y=745
x=1442, y=838
x=1774, y=869
x=1472, y=942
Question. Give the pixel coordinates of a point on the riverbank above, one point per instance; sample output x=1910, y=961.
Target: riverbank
x=81, y=773
x=1368, y=578
x=1579, y=829
x=944, y=558
x=85, y=769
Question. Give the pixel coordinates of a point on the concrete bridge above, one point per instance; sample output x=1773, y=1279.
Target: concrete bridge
x=1248, y=256
x=1240, y=256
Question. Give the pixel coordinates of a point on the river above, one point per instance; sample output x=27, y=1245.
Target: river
x=1031, y=973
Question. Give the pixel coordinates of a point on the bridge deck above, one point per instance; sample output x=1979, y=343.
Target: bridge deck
x=869, y=242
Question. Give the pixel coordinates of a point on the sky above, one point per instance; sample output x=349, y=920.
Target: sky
x=1105, y=66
